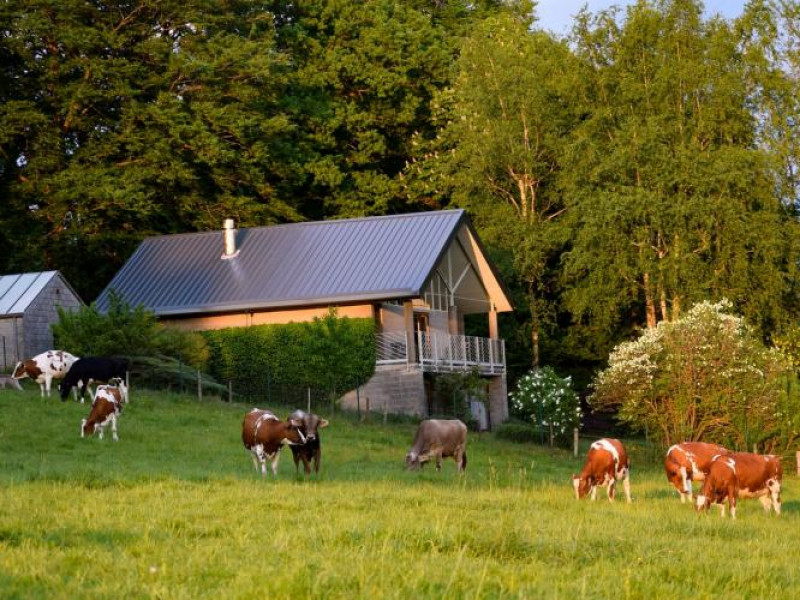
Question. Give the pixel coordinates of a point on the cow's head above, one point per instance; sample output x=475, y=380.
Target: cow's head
x=19, y=371
x=703, y=502
x=311, y=423
x=63, y=390
x=676, y=478
x=582, y=485
x=412, y=461
x=86, y=429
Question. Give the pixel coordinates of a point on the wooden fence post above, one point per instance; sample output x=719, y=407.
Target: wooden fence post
x=575, y=442
x=797, y=457
x=199, y=386
x=230, y=390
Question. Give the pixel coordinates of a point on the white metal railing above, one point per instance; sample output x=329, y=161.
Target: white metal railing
x=443, y=352
x=391, y=348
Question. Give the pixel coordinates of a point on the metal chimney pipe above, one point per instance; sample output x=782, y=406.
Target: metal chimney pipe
x=230, y=239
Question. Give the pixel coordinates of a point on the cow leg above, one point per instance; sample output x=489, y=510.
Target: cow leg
x=626, y=487
x=114, y=435
x=102, y=428
x=306, y=465
x=687, y=485
x=41, y=388
x=317, y=457
x=48, y=383
x=611, y=489
x=275, y=465
x=774, y=487
x=438, y=461
x=593, y=493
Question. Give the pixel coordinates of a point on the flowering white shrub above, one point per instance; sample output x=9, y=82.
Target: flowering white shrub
x=705, y=376
x=542, y=395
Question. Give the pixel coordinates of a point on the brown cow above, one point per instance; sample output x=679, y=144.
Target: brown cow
x=742, y=475
x=312, y=449
x=439, y=439
x=689, y=462
x=106, y=408
x=45, y=367
x=606, y=462
x=264, y=435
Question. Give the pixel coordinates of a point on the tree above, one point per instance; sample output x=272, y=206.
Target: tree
x=671, y=198
x=500, y=153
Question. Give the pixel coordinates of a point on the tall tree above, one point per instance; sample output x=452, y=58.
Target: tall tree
x=672, y=199
x=508, y=112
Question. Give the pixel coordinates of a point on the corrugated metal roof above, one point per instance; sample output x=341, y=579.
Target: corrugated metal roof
x=18, y=291
x=351, y=260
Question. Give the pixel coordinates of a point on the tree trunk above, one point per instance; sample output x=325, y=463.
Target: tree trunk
x=664, y=310
x=650, y=307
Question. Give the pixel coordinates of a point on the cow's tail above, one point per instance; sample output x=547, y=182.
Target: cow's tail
x=464, y=461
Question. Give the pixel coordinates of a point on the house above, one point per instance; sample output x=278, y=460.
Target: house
x=28, y=306
x=417, y=275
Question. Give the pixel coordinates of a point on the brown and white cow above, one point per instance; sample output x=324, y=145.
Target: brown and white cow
x=311, y=450
x=606, y=463
x=264, y=435
x=44, y=367
x=689, y=462
x=106, y=408
x=742, y=475
x=438, y=438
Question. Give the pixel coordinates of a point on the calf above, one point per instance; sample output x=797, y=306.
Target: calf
x=93, y=368
x=742, y=475
x=8, y=381
x=439, y=439
x=312, y=449
x=106, y=408
x=44, y=367
x=606, y=463
x=689, y=462
x=264, y=435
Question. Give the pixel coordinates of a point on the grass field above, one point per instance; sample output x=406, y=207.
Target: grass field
x=175, y=510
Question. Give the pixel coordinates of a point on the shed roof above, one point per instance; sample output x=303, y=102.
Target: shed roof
x=299, y=264
x=19, y=290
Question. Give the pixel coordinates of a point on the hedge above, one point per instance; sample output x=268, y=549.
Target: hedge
x=328, y=353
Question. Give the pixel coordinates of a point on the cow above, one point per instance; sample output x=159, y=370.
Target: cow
x=93, y=368
x=436, y=438
x=264, y=434
x=7, y=381
x=689, y=462
x=312, y=449
x=106, y=408
x=742, y=475
x=44, y=367
x=606, y=463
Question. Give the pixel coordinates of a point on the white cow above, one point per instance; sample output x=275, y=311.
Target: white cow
x=45, y=367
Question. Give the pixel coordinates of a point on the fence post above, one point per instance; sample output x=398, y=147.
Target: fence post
x=385, y=411
x=128, y=384
x=575, y=442
x=366, y=418
x=199, y=386
x=5, y=363
x=230, y=390
x=180, y=373
x=358, y=398
x=309, y=399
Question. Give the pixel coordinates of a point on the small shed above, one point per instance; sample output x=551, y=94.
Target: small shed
x=28, y=306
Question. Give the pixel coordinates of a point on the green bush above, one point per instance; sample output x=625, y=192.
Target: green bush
x=516, y=431
x=126, y=331
x=704, y=377
x=548, y=401
x=328, y=353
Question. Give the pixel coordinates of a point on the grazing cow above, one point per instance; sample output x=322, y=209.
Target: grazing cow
x=264, y=435
x=106, y=408
x=8, y=381
x=689, y=462
x=439, y=439
x=312, y=449
x=44, y=367
x=606, y=463
x=93, y=368
x=742, y=475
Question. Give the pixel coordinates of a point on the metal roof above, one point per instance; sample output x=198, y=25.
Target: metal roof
x=299, y=264
x=18, y=291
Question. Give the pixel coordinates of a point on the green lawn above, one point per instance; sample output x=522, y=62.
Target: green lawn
x=175, y=509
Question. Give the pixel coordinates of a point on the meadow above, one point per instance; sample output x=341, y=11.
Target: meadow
x=175, y=509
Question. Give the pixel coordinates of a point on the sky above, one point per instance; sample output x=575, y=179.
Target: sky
x=556, y=15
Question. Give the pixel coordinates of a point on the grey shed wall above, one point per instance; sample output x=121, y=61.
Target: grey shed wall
x=42, y=312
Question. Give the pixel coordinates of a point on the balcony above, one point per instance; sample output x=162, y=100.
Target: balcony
x=442, y=352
